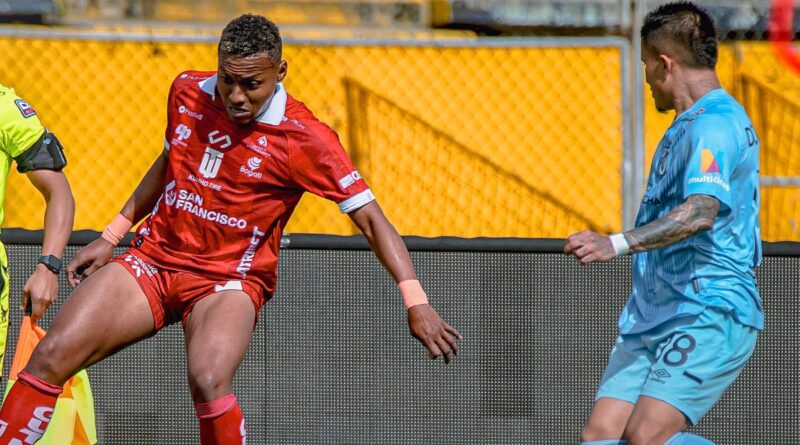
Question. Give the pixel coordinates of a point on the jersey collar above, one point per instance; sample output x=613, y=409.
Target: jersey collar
x=271, y=113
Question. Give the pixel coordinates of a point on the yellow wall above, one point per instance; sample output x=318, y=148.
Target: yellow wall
x=454, y=141
x=532, y=137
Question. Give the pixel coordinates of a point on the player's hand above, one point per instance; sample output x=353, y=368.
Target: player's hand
x=88, y=259
x=438, y=337
x=589, y=247
x=40, y=291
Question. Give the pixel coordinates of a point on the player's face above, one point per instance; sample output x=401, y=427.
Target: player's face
x=245, y=84
x=657, y=76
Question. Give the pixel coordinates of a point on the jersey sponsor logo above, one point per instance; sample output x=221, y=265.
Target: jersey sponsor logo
x=651, y=200
x=262, y=141
x=192, y=77
x=710, y=179
x=191, y=113
x=710, y=163
x=246, y=261
x=212, y=159
x=34, y=430
x=253, y=164
x=349, y=179
x=193, y=203
x=209, y=165
x=139, y=266
x=169, y=193
x=205, y=183
x=26, y=110
x=182, y=133
x=214, y=137
x=259, y=149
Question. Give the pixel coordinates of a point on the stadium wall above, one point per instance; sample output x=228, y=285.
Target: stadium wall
x=332, y=362
x=459, y=137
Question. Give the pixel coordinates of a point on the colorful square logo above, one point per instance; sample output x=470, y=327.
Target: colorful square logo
x=710, y=162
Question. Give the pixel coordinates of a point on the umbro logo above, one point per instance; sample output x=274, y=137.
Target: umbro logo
x=662, y=373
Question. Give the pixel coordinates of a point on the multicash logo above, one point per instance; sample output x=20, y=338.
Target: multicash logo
x=710, y=179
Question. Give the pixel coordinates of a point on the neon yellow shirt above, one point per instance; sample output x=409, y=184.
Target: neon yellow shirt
x=19, y=129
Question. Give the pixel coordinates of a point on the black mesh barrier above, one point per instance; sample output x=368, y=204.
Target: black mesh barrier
x=332, y=362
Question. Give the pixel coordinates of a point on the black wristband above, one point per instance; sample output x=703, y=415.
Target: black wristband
x=52, y=262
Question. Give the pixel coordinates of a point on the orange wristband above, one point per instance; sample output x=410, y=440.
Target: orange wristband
x=413, y=294
x=116, y=229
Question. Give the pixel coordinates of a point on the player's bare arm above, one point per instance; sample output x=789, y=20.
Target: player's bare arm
x=695, y=215
x=438, y=337
x=99, y=252
x=41, y=289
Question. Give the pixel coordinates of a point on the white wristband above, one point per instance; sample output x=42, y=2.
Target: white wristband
x=620, y=244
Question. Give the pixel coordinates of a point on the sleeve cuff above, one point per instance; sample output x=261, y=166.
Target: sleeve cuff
x=357, y=201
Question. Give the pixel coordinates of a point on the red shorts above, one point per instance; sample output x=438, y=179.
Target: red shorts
x=172, y=294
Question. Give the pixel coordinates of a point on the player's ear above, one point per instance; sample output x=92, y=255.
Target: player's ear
x=666, y=63
x=283, y=68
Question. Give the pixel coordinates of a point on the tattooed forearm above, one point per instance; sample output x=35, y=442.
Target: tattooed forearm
x=696, y=214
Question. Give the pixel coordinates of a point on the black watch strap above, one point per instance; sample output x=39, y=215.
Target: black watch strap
x=52, y=262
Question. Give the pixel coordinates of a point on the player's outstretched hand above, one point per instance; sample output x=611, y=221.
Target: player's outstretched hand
x=589, y=247
x=438, y=337
x=88, y=259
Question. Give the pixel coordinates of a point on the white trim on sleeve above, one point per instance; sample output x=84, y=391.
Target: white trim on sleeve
x=166, y=145
x=357, y=201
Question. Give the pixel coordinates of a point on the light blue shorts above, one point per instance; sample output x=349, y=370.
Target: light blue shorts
x=687, y=362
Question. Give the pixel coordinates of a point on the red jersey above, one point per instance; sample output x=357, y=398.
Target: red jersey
x=230, y=190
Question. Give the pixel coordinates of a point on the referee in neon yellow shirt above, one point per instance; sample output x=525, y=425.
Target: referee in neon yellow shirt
x=39, y=155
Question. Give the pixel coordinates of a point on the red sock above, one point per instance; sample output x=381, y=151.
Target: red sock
x=221, y=422
x=27, y=410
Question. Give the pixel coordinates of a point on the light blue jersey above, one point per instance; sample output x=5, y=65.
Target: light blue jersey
x=709, y=149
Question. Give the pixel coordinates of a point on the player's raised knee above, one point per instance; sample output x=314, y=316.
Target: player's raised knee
x=49, y=362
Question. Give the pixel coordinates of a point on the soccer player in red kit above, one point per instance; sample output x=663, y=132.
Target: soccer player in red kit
x=238, y=154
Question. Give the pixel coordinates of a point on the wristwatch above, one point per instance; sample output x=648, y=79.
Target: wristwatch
x=52, y=262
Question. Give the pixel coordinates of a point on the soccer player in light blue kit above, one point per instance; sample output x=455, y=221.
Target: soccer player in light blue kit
x=690, y=324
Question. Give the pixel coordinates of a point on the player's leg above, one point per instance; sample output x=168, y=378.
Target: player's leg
x=697, y=362
x=606, y=422
x=619, y=390
x=104, y=314
x=218, y=332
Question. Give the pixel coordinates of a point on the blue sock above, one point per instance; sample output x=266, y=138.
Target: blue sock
x=687, y=439
x=606, y=442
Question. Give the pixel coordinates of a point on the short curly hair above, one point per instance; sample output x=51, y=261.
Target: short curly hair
x=686, y=26
x=251, y=34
